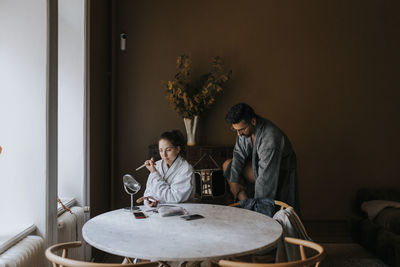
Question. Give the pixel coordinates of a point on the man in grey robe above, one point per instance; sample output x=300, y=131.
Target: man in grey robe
x=263, y=156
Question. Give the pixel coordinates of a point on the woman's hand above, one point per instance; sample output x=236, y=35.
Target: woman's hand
x=150, y=201
x=151, y=165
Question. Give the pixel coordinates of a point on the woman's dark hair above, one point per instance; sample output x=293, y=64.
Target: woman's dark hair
x=240, y=112
x=176, y=138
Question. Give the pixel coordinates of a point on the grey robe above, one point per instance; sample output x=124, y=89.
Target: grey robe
x=273, y=162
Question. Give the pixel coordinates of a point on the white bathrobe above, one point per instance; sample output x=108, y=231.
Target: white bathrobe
x=171, y=185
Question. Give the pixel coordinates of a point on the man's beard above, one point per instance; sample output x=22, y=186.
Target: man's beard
x=251, y=131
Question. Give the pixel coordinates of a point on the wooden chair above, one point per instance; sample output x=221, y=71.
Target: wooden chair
x=63, y=261
x=281, y=204
x=271, y=254
x=314, y=260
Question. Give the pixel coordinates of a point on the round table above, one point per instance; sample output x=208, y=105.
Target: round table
x=224, y=231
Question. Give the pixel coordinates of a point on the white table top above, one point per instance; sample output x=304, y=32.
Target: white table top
x=224, y=231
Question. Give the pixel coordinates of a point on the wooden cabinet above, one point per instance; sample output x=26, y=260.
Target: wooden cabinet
x=208, y=157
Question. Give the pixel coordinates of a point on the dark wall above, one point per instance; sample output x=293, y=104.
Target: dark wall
x=326, y=72
x=99, y=97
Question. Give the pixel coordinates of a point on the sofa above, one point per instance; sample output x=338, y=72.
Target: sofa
x=376, y=222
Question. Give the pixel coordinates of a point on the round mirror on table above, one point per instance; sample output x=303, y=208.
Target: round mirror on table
x=131, y=187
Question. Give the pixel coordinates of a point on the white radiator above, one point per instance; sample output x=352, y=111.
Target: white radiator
x=70, y=229
x=29, y=252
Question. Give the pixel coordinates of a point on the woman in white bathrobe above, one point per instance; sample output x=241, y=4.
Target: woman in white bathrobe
x=171, y=179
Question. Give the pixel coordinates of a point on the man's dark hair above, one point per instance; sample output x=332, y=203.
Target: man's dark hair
x=239, y=112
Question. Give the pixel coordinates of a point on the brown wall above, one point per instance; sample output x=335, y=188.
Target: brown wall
x=100, y=106
x=326, y=72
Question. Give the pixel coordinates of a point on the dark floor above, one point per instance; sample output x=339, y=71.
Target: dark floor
x=341, y=251
x=348, y=255
x=328, y=231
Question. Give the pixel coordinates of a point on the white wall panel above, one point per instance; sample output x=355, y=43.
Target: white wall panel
x=71, y=99
x=23, y=82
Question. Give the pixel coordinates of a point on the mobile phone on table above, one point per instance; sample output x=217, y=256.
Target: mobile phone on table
x=192, y=217
x=139, y=215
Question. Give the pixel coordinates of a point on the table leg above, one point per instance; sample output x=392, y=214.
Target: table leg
x=212, y=263
x=127, y=260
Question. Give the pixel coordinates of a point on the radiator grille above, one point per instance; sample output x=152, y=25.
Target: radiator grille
x=70, y=229
x=29, y=252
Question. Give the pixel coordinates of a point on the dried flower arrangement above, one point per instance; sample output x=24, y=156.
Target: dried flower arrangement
x=190, y=98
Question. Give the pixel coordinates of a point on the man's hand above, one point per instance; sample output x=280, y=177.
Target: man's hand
x=238, y=191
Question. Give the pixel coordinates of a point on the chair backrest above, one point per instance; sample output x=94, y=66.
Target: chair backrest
x=291, y=223
x=314, y=260
x=53, y=257
x=281, y=204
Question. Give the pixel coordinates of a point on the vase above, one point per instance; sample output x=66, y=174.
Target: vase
x=191, y=125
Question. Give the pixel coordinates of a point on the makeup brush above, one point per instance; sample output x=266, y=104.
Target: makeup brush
x=144, y=165
x=141, y=167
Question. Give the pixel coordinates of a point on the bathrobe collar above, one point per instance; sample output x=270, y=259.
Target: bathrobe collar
x=175, y=165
